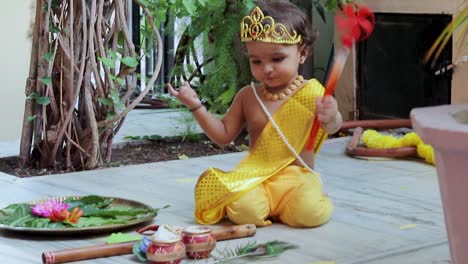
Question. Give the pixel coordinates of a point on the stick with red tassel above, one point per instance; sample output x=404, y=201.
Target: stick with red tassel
x=354, y=22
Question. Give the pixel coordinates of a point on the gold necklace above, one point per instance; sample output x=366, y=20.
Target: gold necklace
x=282, y=94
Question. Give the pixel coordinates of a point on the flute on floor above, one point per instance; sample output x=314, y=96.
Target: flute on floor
x=109, y=250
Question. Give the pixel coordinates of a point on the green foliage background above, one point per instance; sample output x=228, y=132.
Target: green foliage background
x=214, y=25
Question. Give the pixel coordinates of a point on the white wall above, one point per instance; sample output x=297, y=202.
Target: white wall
x=15, y=48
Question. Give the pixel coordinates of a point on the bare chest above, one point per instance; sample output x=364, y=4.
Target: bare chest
x=256, y=118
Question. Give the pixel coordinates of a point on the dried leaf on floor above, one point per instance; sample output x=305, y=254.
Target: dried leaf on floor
x=408, y=226
x=183, y=157
x=461, y=117
x=187, y=180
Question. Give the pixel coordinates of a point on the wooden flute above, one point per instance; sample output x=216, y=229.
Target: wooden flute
x=109, y=250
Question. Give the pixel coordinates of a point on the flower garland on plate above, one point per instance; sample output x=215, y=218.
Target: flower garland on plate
x=373, y=139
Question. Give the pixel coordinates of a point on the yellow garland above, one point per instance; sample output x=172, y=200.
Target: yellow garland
x=374, y=139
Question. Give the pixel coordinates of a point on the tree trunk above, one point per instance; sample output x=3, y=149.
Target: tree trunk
x=80, y=72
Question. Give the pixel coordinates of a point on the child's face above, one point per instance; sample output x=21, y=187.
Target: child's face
x=275, y=65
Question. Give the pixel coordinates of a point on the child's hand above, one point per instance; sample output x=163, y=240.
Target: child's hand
x=326, y=109
x=186, y=95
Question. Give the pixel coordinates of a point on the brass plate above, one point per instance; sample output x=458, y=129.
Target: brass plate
x=88, y=229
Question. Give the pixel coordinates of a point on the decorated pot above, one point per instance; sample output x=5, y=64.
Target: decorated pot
x=199, y=241
x=165, y=252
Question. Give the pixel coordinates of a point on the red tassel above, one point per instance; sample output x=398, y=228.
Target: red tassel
x=354, y=23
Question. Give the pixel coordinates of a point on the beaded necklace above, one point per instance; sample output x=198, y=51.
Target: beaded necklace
x=282, y=94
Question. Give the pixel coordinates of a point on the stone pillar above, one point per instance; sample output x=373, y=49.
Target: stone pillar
x=446, y=129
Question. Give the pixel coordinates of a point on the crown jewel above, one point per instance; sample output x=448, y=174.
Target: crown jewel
x=258, y=27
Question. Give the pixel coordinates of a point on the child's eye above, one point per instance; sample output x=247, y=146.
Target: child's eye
x=278, y=59
x=255, y=62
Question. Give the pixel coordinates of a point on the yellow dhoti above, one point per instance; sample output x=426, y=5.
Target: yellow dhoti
x=293, y=196
x=264, y=184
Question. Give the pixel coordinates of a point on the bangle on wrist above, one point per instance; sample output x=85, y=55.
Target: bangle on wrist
x=331, y=122
x=195, y=108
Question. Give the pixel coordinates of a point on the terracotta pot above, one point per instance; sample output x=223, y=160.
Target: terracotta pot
x=443, y=128
x=199, y=241
x=165, y=252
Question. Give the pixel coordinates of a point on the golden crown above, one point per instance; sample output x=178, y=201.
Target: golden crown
x=258, y=27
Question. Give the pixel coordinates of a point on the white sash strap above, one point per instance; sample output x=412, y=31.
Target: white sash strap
x=283, y=137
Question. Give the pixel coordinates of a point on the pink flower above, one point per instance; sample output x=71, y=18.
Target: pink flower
x=45, y=209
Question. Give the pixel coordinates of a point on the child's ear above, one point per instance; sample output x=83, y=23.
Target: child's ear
x=304, y=53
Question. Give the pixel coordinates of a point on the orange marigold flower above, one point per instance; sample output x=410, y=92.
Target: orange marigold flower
x=58, y=216
x=74, y=216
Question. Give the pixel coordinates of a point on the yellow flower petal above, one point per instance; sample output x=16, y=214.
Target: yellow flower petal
x=187, y=180
x=183, y=157
x=408, y=226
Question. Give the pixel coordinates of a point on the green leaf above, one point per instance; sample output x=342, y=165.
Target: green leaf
x=120, y=106
x=118, y=80
x=32, y=96
x=14, y=211
x=137, y=251
x=96, y=200
x=113, y=55
x=249, y=4
x=331, y=5
x=189, y=6
x=145, y=3
x=110, y=115
x=54, y=29
x=202, y=2
x=31, y=118
x=155, y=137
x=40, y=222
x=107, y=62
x=114, y=211
x=114, y=95
x=43, y=100
x=56, y=3
x=129, y=61
x=132, y=137
x=121, y=41
x=115, y=238
x=46, y=80
x=48, y=56
x=105, y=101
x=319, y=7
x=161, y=16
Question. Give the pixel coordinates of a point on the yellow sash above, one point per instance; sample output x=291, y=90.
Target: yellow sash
x=216, y=188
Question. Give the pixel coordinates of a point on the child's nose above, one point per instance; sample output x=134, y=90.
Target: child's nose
x=268, y=68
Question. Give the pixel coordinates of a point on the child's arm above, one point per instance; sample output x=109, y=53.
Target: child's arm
x=328, y=114
x=221, y=132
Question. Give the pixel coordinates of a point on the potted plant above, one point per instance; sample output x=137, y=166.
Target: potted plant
x=446, y=129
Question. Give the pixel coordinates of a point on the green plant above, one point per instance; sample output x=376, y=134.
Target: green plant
x=145, y=137
x=81, y=78
x=458, y=22
x=216, y=76
x=221, y=73
x=252, y=251
x=189, y=125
